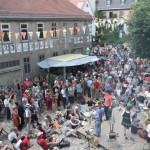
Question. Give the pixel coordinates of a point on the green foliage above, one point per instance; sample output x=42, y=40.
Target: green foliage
x=98, y=14
x=139, y=28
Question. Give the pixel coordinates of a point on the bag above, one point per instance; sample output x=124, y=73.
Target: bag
x=64, y=143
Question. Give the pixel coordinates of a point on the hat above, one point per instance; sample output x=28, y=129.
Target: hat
x=39, y=134
x=28, y=105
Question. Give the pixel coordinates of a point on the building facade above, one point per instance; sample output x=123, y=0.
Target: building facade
x=115, y=9
x=29, y=35
x=88, y=6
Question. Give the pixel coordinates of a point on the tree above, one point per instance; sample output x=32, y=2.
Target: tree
x=139, y=28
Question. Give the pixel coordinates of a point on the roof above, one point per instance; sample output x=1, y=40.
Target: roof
x=79, y=3
x=67, y=60
x=40, y=9
x=115, y=5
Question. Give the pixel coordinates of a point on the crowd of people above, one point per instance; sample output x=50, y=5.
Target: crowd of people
x=114, y=80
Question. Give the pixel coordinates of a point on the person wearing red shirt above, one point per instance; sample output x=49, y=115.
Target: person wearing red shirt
x=26, y=142
x=97, y=87
x=44, y=143
x=107, y=103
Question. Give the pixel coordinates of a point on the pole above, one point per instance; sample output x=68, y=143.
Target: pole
x=64, y=73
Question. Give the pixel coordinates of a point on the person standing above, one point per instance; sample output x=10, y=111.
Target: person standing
x=19, y=90
x=21, y=114
x=28, y=117
x=15, y=116
x=98, y=119
x=6, y=103
x=48, y=99
x=126, y=121
x=63, y=93
x=107, y=103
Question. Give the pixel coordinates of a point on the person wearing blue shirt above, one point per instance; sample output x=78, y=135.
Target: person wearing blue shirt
x=99, y=112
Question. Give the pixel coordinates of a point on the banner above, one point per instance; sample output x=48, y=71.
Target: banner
x=112, y=26
x=38, y=34
x=71, y=31
x=9, y=35
x=78, y=29
x=16, y=35
x=23, y=35
x=2, y=34
x=58, y=32
x=30, y=34
x=45, y=34
x=84, y=29
x=51, y=33
x=64, y=32
x=97, y=25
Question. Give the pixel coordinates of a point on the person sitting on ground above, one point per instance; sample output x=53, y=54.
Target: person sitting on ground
x=13, y=135
x=18, y=144
x=59, y=117
x=26, y=142
x=47, y=125
x=40, y=129
x=90, y=103
x=74, y=122
x=45, y=144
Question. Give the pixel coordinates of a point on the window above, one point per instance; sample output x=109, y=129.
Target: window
x=9, y=64
x=75, y=28
x=54, y=29
x=108, y=2
x=27, y=68
x=121, y=14
x=122, y=2
x=104, y=15
x=41, y=57
x=24, y=31
x=40, y=28
x=65, y=29
x=110, y=14
x=55, y=54
x=66, y=51
x=5, y=28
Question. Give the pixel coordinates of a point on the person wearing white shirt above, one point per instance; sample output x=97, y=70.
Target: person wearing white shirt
x=12, y=136
x=6, y=104
x=147, y=96
x=18, y=144
x=28, y=117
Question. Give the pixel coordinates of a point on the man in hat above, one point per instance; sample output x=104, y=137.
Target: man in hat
x=28, y=117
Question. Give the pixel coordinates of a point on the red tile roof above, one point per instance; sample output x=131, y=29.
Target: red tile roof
x=40, y=8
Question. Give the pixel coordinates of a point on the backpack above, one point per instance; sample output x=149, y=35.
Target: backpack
x=64, y=143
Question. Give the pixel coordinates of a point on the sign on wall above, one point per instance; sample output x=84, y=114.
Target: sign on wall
x=36, y=45
x=1, y=51
x=18, y=47
x=46, y=44
x=12, y=48
x=25, y=47
x=6, y=49
x=51, y=43
x=31, y=45
x=41, y=45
